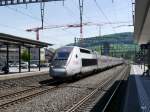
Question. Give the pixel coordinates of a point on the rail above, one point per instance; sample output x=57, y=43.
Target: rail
x=24, y=95
x=105, y=83
x=114, y=92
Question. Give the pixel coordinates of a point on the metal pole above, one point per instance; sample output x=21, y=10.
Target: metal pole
x=19, y=59
x=7, y=60
x=29, y=59
x=135, y=52
x=81, y=18
x=42, y=6
x=133, y=16
x=39, y=59
x=99, y=30
x=37, y=34
x=144, y=60
x=101, y=49
x=75, y=41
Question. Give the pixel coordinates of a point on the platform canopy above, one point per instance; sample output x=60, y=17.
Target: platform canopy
x=7, y=39
x=142, y=21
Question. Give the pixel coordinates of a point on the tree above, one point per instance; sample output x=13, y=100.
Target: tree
x=25, y=56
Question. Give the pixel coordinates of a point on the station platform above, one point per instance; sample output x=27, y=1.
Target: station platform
x=137, y=97
x=23, y=74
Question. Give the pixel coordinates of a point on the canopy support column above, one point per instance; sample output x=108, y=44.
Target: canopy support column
x=7, y=55
x=39, y=58
x=29, y=59
x=19, y=59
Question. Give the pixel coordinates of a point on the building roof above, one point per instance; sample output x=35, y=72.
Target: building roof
x=16, y=40
x=142, y=21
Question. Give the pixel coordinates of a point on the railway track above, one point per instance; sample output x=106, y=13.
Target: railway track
x=89, y=101
x=12, y=99
x=11, y=95
x=124, y=76
x=24, y=95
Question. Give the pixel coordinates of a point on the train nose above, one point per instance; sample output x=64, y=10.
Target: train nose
x=58, y=72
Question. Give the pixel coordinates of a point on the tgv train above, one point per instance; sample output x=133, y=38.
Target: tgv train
x=73, y=60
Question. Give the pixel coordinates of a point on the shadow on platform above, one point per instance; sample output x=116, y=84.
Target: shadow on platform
x=132, y=96
x=116, y=104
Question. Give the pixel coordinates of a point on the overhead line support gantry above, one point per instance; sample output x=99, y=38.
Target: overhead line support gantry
x=81, y=17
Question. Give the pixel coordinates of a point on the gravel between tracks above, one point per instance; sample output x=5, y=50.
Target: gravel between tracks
x=13, y=85
x=62, y=98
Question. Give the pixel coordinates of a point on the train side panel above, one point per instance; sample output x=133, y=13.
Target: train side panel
x=73, y=65
x=88, y=60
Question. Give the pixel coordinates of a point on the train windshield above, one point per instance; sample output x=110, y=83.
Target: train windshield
x=63, y=53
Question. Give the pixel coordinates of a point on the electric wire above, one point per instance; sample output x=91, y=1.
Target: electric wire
x=11, y=27
x=70, y=12
x=25, y=14
x=22, y=13
x=114, y=10
x=100, y=9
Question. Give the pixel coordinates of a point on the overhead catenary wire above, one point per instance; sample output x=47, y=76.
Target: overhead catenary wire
x=114, y=10
x=25, y=14
x=103, y=13
x=22, y=13
x=115, y=13
x=69, y=11
x=42, y=13
x=10, y=27
x=100, y=9
x=79, y=7
x=129, y=9
x=28, y=15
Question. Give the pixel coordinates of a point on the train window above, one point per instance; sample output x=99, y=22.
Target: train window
x=85, y=51
x=63, y=53
x=89, y=62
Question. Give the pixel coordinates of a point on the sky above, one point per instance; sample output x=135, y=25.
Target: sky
x=16, y=19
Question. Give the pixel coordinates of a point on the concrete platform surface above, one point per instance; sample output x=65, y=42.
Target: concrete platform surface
x=138, y=91
x=23, y=74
